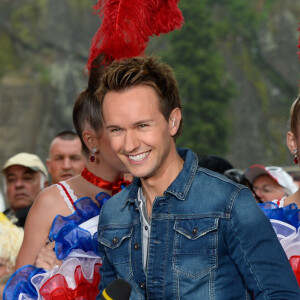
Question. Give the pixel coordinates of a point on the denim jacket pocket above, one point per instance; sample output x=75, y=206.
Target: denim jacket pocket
x=117, y=242
x=195, y=246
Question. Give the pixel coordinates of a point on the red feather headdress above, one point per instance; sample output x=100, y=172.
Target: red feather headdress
x=128, y=24
x=299, y=42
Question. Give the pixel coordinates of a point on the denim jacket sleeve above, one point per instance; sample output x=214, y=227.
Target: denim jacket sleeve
x=106, y=271
x=257, y=253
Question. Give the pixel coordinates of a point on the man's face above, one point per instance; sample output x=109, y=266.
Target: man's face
x=65, y=159
x=138, y=132
x=108, y=157
x=22, y=186
x=267, y=189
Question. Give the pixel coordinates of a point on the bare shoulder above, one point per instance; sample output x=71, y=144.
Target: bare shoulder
x=50, y=202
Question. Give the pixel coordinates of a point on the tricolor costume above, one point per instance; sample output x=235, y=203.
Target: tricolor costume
x=75, y=239
x=286, y=223
x=78, y=276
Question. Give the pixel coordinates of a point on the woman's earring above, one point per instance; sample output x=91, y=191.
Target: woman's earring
x=174, y=123
x=296, y=160
x=93, y=158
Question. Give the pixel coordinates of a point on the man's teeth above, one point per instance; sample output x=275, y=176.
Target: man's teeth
x=139, y=156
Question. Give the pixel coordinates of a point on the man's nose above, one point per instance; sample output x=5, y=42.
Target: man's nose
x=67, y=163
x=19, y=183
x=131, y=141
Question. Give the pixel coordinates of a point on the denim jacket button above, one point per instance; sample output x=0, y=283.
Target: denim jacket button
x=136, y=246
x=195, y=230
x=142, y=286
x=115, y=240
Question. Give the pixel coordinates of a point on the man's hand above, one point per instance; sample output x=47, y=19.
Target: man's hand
x=47, y=258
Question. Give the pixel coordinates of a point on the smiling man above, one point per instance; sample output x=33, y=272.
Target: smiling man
x=178, y=231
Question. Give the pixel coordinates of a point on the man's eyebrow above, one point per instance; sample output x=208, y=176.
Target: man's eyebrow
x=143, y=121
x=134, y=124
x=10, y=175
x=112, y=126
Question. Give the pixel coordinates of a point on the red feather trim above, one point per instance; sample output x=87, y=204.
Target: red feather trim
x=128, y=24
x=168, y=17
x=299, y=42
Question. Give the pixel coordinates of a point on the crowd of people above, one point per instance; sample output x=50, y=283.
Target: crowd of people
x=120, y=201
x=177, y=223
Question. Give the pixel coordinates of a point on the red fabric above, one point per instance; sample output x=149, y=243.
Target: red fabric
x=68, y=195
x=115, y=186
x=56, y=288
x=127, y=25
x=295, y=263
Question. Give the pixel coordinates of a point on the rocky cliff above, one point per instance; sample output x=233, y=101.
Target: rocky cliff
x=44, y=49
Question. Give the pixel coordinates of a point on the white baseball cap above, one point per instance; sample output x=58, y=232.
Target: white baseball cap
x=27, y=160
x=276, y=173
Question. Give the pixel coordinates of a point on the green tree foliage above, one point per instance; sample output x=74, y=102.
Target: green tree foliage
x=204, y=86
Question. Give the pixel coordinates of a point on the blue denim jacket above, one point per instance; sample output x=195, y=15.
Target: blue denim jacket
x=209, y=240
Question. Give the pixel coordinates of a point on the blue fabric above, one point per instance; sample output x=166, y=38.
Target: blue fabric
x=289, y=214
x=68, y=236
x=66, y=233
x=209, y=240
x=19, y=282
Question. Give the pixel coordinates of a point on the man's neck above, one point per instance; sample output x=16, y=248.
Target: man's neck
x=156, y=185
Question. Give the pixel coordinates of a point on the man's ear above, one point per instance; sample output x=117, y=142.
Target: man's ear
x=48, y=164
x=291, y=142
x=174, y=120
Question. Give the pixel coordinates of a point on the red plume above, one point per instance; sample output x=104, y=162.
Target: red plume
x=167, y=18
x=299, y=42
x=128, y=24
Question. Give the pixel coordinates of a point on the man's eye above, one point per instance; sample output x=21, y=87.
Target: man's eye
x=75, y=158
x=143, y=125
x=116, y=131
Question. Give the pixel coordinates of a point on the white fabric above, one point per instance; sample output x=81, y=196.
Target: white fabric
x=86, y=260
x=65, y=196
x=145, y=222
x=288, y=236
x=90, y=225
x=280, y=202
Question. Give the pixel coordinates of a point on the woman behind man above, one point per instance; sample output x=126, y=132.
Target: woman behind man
x=101, y=177
x=293, y=143
x=284, y=215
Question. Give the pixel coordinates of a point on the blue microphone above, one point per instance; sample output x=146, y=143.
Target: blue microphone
x=119, y=289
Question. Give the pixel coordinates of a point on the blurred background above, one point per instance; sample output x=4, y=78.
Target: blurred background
x=236, y=63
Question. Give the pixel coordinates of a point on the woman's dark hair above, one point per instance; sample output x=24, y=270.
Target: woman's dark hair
x=87, y=109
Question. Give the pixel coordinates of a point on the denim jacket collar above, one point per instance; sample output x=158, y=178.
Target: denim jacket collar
x=181, y=185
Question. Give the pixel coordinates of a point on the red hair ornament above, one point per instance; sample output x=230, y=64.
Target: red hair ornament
x=299, y=42
x=128, y=24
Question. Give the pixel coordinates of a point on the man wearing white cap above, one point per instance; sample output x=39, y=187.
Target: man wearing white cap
x=25, y=176
x=270, y=183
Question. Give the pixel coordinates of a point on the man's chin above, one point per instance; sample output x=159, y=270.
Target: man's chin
x=22, y=204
